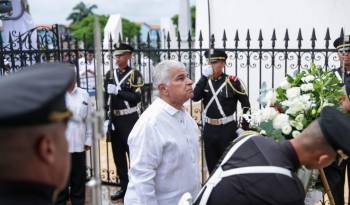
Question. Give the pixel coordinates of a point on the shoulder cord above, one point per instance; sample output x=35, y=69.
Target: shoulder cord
x=228, y=81
x=131, y=78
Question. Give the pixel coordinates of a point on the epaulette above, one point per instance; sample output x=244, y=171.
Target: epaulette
x=232, y=77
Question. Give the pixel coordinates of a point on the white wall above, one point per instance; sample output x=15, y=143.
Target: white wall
x=269, y=14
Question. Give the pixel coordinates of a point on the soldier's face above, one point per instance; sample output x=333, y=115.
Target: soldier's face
x=217, y=66
x=122, y=60
x=344, y=58
x=179, y=88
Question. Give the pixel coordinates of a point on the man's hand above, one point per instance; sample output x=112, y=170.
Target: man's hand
x=207, y=71
x=113, y=89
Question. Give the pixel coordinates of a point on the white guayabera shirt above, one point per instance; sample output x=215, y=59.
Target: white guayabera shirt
x=79, y=132
x=164, y=156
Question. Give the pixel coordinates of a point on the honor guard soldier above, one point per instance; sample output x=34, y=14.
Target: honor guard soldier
x=123, y=86
x=335, y=173
x=220, y=94
x=259, y=170
x=34, y=162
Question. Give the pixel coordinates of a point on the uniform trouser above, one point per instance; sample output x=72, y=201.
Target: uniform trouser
x=75, y=190
x=216, y=139
x=336, y=178
x=120, y=148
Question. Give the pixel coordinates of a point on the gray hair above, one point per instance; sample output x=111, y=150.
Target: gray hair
x=161, y=73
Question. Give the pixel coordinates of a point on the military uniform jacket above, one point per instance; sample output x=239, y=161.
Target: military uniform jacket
x=130, y=88
x=260, y=189
x=25, y=193
x=227, y=97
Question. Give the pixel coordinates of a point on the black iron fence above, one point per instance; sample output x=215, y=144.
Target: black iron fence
x=257, y=62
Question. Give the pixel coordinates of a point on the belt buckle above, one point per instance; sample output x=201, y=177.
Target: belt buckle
x=216, y=121
x=116, y=112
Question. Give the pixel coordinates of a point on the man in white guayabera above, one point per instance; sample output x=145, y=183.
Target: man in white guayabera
x=164, y=143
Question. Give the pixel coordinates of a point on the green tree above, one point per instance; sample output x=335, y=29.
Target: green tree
x=175, y=19
x=80, y=11
x=86, y=27
x=130, y=29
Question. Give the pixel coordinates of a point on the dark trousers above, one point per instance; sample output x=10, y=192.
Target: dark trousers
x=336, y=178
x=75, y=190
x=216, y=139
x=120, y=148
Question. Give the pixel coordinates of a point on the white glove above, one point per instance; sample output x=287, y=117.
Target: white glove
x=113, y=89
x=105, y=126
x=207, y=71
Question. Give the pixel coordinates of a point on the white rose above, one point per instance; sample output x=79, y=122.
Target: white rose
x=280, y=120
x=286, y=129
x=296, y=107
x=295, y=133
x=286, y=103
x=300, y=118
x=299, y=126
x=308, y=78
x=285, y=85
x=307, y=87
x=270, y=98
x=293, y=123
x=293, y=92
x=269, y=113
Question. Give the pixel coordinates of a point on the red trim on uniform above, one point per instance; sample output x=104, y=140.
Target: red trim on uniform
x=232, y=77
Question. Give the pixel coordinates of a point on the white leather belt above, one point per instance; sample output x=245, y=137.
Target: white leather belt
x=220, y=121
x=126, y=111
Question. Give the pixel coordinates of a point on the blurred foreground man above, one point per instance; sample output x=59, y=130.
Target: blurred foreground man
x=258, y=170
x=164, y=143
x=34, y=162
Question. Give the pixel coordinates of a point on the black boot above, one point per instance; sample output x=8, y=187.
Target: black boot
x=118, y=195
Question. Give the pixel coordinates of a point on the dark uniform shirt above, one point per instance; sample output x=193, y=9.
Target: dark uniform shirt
x=260, y=189
x=228, y=97
x=130, y=88
x=25, y=193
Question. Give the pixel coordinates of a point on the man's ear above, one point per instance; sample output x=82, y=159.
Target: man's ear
x=325, y=160
x=45, y=149
x=163, y=89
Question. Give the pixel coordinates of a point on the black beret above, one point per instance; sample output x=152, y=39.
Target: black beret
x=215, y=55
x=35, y=95
x=342, y=43
x=123, y=49
x=335, y=126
